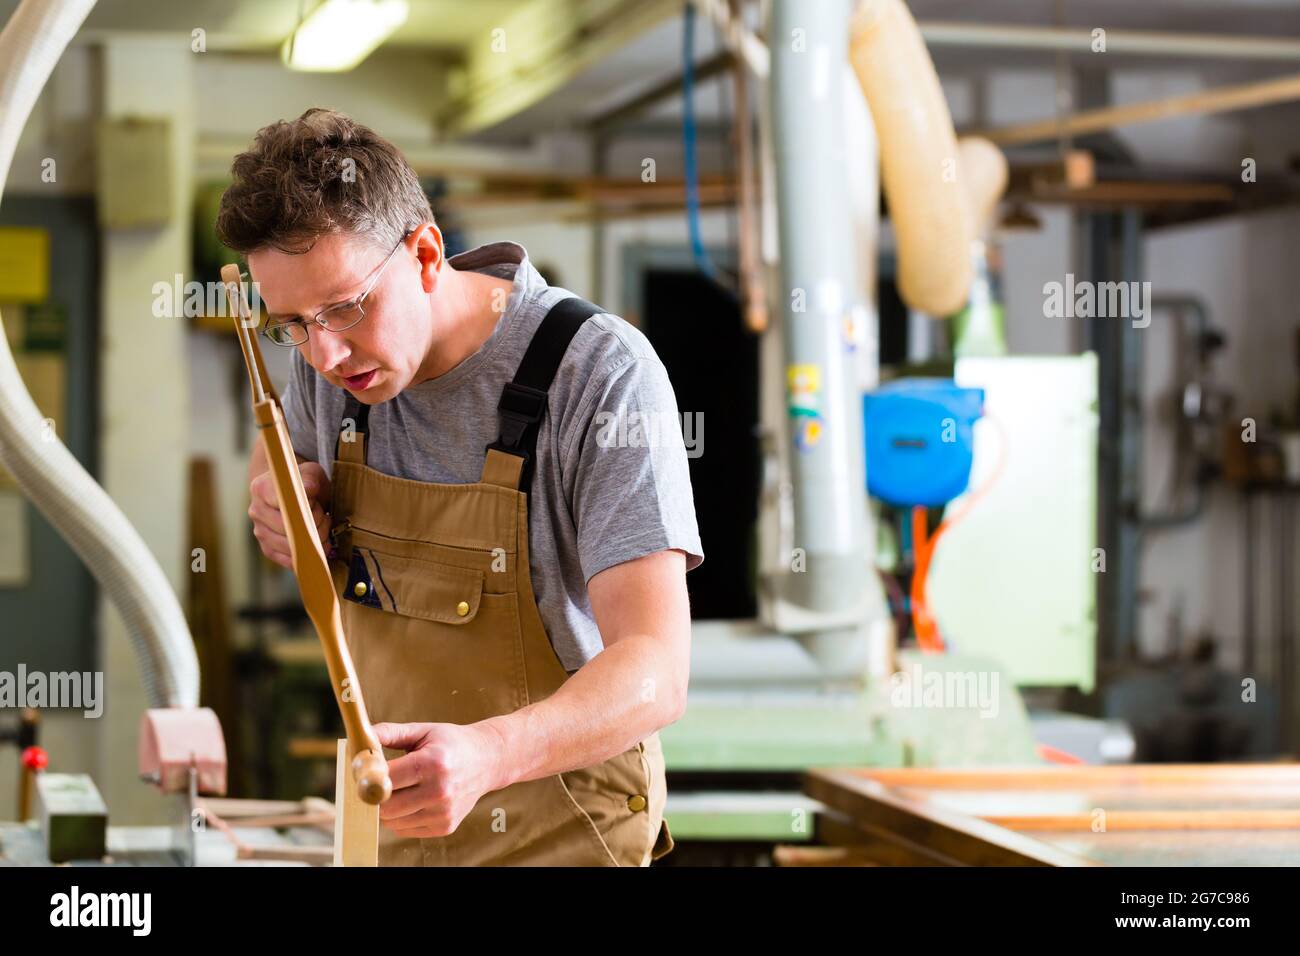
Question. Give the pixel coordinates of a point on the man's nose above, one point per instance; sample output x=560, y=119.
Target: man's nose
x=325, y=350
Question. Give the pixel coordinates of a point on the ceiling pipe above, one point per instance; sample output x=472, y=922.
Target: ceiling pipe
x=1144, y=42
x=752, y=49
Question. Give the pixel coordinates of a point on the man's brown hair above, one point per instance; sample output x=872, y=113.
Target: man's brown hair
x=319, y=174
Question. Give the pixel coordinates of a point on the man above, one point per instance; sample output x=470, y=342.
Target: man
x=513, y=580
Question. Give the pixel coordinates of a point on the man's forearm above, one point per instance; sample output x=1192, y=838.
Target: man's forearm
x=618, y=698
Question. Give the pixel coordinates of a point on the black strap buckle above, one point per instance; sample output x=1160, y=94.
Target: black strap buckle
x=521, y=407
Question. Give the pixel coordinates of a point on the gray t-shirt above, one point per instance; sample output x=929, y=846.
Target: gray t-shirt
x=611, y=482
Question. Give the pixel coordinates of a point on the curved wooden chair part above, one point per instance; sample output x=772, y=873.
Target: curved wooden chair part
x=369, y=767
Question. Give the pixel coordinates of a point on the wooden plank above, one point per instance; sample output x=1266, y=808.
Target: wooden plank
x=324, y=821
x=1074, y=170
x=1072, y=178
x=605, y=191
x=1086, y=775
x=312, y=748
x=233, y=809
x=356, y=823
x=821, y=856
x=315, y=855
x=968, y=840
x=317, y=805
x=209, y=608
x=1137, y=193
x=1246, y=96
x=885, y=848
x=1203, y=848
x=1049, y=800
x=1156, y=820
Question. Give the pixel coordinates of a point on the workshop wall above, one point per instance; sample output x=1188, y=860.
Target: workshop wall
x=1242, y=269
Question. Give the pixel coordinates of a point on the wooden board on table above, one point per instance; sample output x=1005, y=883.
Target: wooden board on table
x=1175, y=814
x=961, y=838
x=356, y=823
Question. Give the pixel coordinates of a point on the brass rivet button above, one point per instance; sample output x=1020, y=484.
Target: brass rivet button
x=636, y=803
x=462, y=608
x=360, y=589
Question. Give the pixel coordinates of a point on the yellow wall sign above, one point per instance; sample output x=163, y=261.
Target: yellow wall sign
x=24, y=264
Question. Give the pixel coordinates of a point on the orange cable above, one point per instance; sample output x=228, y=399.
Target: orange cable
x=927, y=628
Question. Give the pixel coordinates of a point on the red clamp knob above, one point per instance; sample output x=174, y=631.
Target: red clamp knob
x=35, y=758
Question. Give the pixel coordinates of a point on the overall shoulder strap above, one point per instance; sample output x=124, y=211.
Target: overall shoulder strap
x=351, y=443
x=523, y=401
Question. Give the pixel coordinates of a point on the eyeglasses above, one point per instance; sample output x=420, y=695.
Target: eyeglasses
x=336, y=318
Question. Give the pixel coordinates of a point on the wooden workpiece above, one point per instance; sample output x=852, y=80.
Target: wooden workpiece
x=365, y=762
x=356, y=823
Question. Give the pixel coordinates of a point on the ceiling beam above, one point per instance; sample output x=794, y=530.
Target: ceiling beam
x=541, y=47
x=716, y=65
x=1008, y=36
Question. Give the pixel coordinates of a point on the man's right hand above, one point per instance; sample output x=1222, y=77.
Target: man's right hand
x=268, y=522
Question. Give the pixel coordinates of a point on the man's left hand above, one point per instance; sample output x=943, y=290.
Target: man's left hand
x=447, y=767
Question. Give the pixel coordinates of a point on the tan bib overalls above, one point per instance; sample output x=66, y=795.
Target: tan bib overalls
x=442, y=625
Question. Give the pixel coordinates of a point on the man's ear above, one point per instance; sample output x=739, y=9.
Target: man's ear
x=429, y=251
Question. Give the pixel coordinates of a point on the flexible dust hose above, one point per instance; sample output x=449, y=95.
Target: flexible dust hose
x=919, y=164
x=984, y=177
x=31, y=44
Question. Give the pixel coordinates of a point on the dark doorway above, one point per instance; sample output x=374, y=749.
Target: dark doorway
x=695, y=325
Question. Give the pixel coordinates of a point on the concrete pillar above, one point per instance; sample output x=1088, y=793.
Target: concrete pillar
x=143, y=390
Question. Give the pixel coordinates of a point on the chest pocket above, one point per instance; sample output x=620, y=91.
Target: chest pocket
x=412, y=587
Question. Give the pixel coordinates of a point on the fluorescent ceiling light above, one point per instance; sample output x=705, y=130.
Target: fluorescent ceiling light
x=339, y=34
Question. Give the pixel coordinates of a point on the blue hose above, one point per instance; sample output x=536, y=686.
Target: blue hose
x=702, y=260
